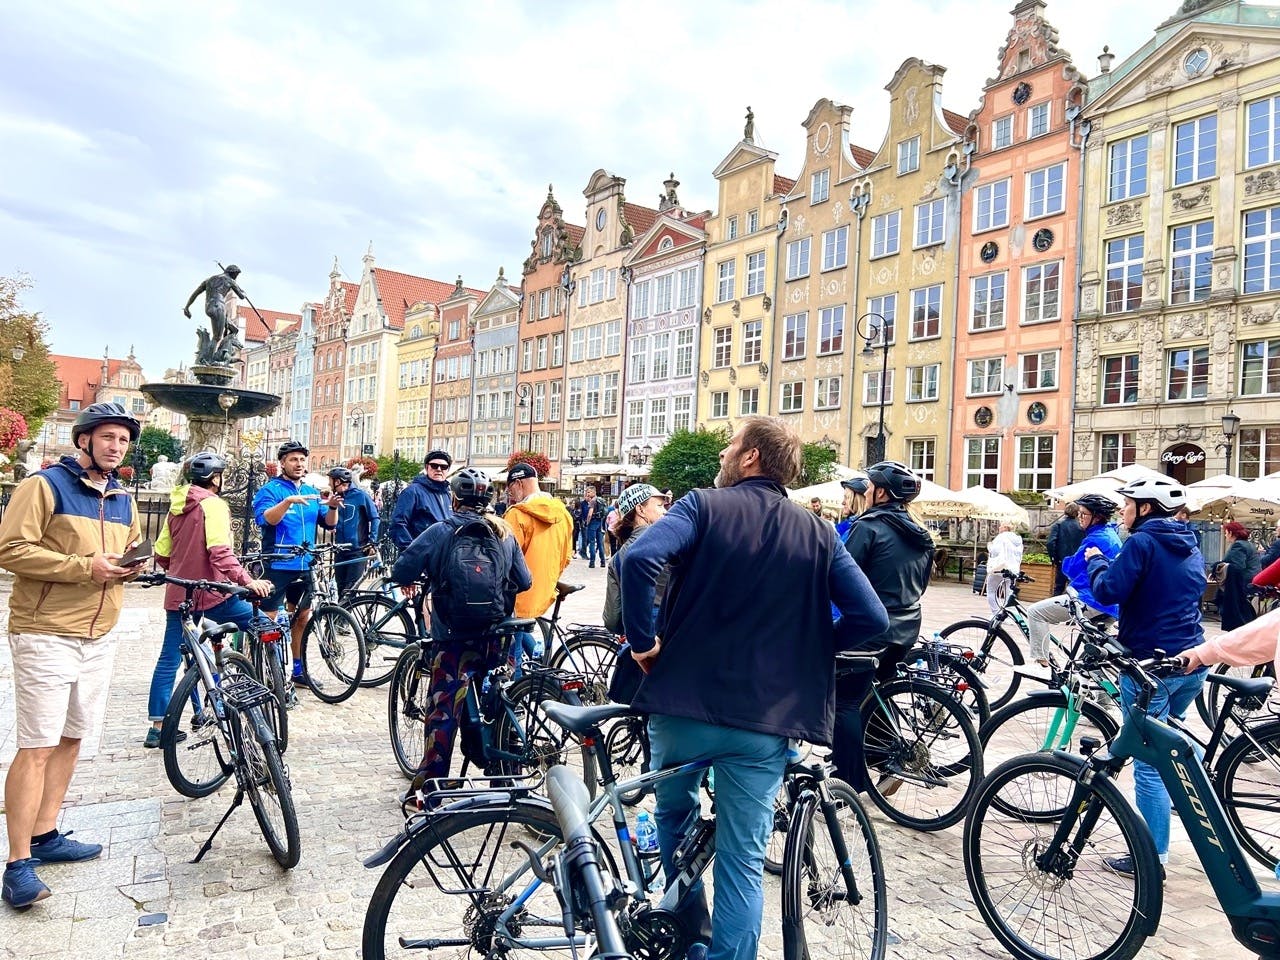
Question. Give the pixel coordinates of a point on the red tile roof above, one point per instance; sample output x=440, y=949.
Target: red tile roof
x=576, y=233
x=349, y=293
x=955, y=121
x=640, y=218
x=255, y=330
x=861, y=155
x=80, y=377
x=782, y=184
x=399, y=291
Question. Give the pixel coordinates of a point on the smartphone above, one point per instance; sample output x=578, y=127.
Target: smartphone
x=136, y=555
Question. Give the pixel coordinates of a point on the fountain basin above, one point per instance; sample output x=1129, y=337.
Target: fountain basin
x=201, y=400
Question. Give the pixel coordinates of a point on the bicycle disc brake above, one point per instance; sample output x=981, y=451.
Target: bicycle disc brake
x=655, y=935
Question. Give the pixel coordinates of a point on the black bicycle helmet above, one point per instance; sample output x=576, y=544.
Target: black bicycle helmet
x=97, y=414
x=340, y=474
x=291, y=446
x=896, y=479
x=1098, y=505
x=204, y=466
x=471, y=487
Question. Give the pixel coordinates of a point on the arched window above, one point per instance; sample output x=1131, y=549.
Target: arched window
x=546, y=242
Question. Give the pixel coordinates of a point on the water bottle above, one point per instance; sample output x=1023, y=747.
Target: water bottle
x=646, y=834
x=793, y=751
x=1278, y=871
x=920, y=666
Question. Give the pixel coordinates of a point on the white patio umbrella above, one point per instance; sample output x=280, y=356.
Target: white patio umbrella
x=1104, y=483
x=936, y=502
x=990, y=505
x=830, y=493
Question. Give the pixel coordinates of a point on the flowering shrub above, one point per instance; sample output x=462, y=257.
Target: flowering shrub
x=126, y=473
x=535, y=460
x=13, y=427
x=368, y=466
x=273, y=468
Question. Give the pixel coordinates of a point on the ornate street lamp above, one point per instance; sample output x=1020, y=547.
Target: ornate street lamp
x=1230, y=427
x=870, y=327
x=524, y=391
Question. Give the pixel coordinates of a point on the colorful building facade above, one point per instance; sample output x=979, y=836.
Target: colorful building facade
x=494, y=415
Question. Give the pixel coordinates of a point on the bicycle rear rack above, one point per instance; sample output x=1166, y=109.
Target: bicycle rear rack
x=439, y=793
x=243, y=692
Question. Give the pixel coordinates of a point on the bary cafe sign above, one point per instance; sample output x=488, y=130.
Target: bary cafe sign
x=1190, y=456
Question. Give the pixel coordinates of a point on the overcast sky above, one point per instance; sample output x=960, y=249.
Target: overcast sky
x=141, y=141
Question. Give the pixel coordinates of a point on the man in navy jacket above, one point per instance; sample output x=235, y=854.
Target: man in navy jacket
x=744, y=657
x=426, y=500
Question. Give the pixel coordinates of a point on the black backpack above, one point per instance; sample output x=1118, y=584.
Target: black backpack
x=471, y=590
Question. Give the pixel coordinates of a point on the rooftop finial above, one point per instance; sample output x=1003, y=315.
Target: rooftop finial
x=749, y=131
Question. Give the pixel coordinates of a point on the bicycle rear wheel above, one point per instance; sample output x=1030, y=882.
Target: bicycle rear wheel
x=627, y=743
x=958, y=678
x=1043, y=722
x=1075, y=906
x=995, y=657
x=387, y=629
x=531, y=741
x=200, y=763
x=923, y=756
x=267, y=660
x=819, y=917
x=592, y=655
x=333, y=653
x=1212, y=695
x=407, y=708
x=1248, y=783
x=268, y=789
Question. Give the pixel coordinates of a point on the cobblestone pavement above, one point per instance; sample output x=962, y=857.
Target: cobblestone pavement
x=143, y=899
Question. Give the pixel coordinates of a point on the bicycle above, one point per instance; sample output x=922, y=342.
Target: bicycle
x=1208, y=701
x=229, y=726
x=388, y=624
x=834, y=889
x=1043, y=825
x=950, y=666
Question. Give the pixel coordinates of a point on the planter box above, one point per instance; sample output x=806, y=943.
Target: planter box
x=1042, y=589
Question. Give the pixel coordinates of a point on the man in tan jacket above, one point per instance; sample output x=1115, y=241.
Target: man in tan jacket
x=61, y=536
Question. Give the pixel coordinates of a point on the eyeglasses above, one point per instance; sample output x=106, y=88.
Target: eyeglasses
x=437, y=466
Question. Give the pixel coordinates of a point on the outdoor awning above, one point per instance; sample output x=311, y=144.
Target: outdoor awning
x=596, y=470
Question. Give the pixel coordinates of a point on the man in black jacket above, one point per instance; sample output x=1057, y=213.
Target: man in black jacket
x=1064, y=540
x=424, y=501
x=743, y=658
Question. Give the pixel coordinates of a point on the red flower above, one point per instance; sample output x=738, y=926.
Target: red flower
x=535, y=460
x=13, y=427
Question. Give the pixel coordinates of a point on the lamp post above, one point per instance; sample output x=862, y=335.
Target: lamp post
x=1230, y=427
x=359, y=417
x=524, y=392
x=576, y=457
x=870, y=327
x=641, y=455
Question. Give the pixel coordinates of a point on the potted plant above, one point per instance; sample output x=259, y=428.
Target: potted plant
x=1039, y=568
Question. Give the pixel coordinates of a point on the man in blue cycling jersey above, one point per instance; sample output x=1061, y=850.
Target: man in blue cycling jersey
x=289, y=511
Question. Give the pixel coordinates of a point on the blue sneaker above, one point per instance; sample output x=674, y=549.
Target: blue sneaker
x=696, y=951
x=22, y=887
x=62, y=849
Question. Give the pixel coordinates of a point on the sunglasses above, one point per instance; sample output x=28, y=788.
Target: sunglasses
x=437, y=466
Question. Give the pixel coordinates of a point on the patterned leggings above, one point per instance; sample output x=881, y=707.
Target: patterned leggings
x=454, y=665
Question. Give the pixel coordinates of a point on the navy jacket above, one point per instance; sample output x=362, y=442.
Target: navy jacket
x=358, y=520
x=747, y=637
x=1157, y=580
x=896, y=553
x=597, y=509
x=1064, y=538
x=423, y=502
x=422, y=560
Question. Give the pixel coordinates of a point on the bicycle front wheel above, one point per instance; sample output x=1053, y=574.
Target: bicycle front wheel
x=201, y=762
x=268, y=789
x=923, y=756
x=783, y=813
x=819, y=916
x=407, y=709
x=1248, y=783
x=592, y=655
x=387, y=629
x=995, y=657
x=1044, y=903
x=333, y=653
x=268, y=661
x=469, y=856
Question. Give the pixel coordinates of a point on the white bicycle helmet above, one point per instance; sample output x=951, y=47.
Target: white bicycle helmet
x=1167, y=494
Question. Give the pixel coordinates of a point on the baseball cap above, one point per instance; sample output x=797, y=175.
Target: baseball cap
x=521, y=471
x=856, y=484
x=635, y=495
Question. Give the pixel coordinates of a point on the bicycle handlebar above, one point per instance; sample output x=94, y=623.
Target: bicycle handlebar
x=191, y=586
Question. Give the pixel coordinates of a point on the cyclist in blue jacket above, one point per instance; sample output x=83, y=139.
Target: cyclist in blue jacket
x=357, y=529
x=1096, y=511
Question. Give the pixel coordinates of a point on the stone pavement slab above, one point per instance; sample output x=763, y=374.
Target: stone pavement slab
x=238, y=903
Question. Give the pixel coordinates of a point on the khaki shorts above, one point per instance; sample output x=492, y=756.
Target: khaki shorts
x=59, y=685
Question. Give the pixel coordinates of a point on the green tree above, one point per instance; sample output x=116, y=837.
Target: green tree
x=689, y=459
x=153, y=442
x=817, y=464
x=28, y=385
x=387, y=469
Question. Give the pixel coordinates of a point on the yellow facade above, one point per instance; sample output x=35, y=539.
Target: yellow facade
x=1179, y=318
x=739, y=284
x=415, y=355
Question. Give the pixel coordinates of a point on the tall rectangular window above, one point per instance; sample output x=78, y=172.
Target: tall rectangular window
x=731, y=229
x=575, y=399
x=1259, y=452
x=663, y=293
x=661, y=356
x=684, y=352
x=611, y=392
x=542, y=353
x=835, y=248
x=1195, y=149
x=1262, y=122
x=682, y=412
x=885, y=233
x=885, y=307
x=929, y=218
x=1120, y=379
x=1040, y=300
x=988, y=302
x=1260, y=368
x=1117, y=450
x=922, y=457
x=795, y=331
x=986, y=376
x=640, y=299
x=755, y=274
x=722, y=348
x=748, y=401
x=753, y=221
x=688, y=293
x=820, y=186
x=798, y=258
x=826, y=393
x=719, y=404
x=1045, y=191
x=1035, y=462
x=1039, y=370
x=635, y=418
x=926, y=312
x=909, y=156
x=725, y=275
x=1038, y=120
x=658, y=417
x=792, y=398
x=1187, y=373
x=982, y=462
x=1127, y=168
x=595, y=341
x=577, y=344
x=1190, y=275
x=922, y=382
x=557, y=350
x=752, y=333
x=1002, y=132
x=1124, y=274
x=831, y=329
x=553, y=408
x=991, y=205
x=1261, y=250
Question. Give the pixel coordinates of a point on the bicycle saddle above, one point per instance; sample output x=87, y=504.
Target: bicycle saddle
x=212, y=631
x=1248, y=686
x=513, y=625
x=563, y=589
x=583, y=719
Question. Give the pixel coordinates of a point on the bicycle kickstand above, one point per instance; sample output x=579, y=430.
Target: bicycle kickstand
x=208, y=844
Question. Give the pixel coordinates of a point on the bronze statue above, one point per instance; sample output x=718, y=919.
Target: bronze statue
x=222, y=347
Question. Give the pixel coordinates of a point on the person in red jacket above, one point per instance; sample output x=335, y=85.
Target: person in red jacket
x=195, y=544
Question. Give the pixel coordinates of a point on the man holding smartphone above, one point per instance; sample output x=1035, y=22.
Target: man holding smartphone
x=289, y=511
